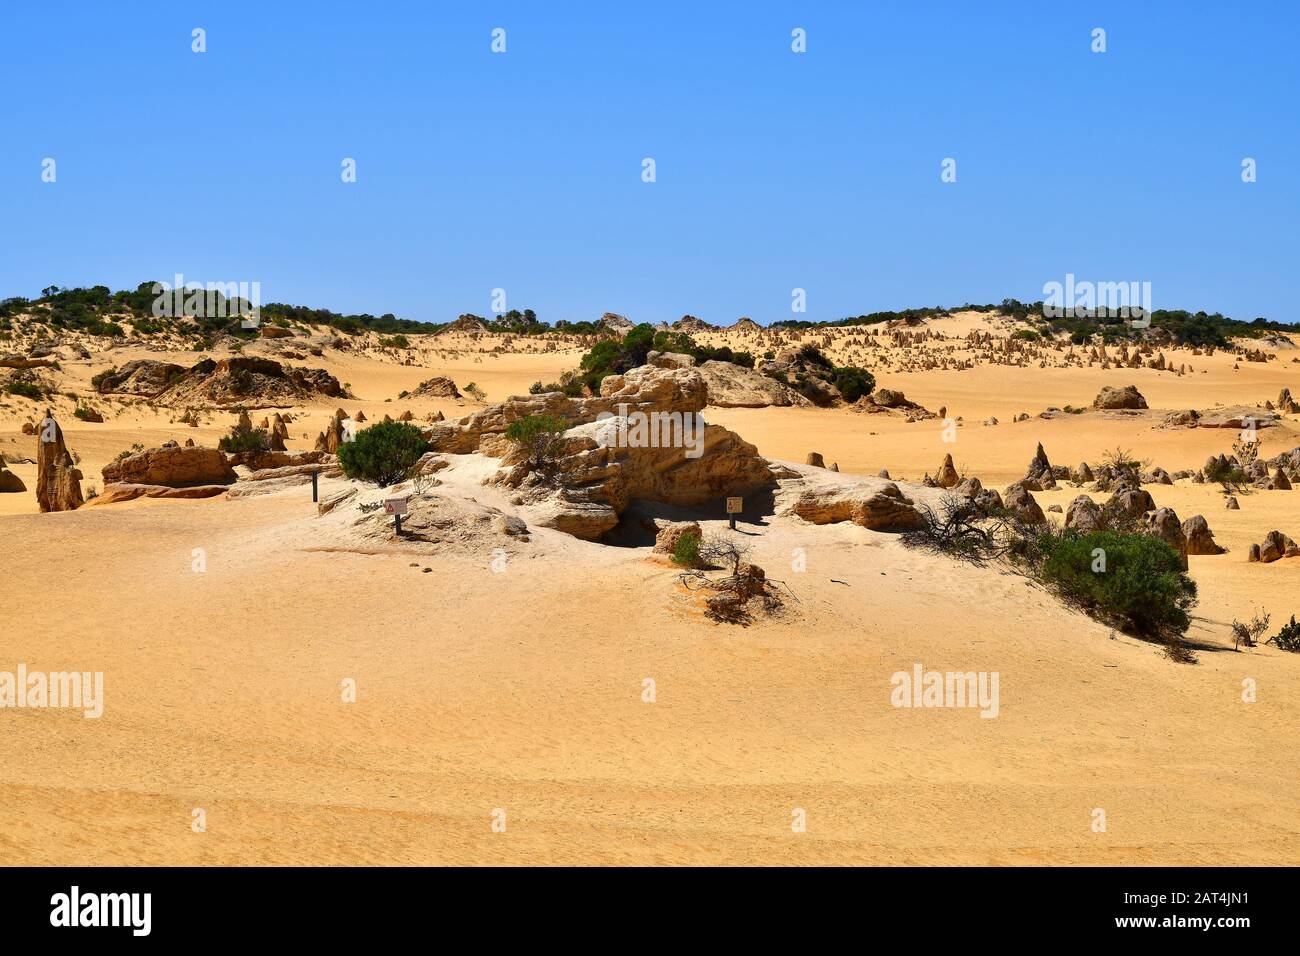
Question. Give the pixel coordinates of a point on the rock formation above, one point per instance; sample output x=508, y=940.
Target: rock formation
x=1021, y=503
x=241, y=381
x=947, y=476
x=1084, y=515
x=1126, y=397
x=9, y=482
x=173, y=466
x=667, y=537
x=733, y=386
x=1200, y=539
x=877, y=505
x=1164, y=524
x=436, y=387
x=58, y=482
x=605, y=460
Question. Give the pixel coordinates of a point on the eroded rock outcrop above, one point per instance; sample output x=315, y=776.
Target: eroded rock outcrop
x=667, y=537
x=58, y=481
x=1127, y=397
x=1200, y=539
x=1084, y=515
x=9, y=482
x=733, y=386
x=640, y=439
x=1163, y=523
x=947, y=476
x=879, y=506
x=643, y=389
x=437, y=387
x=144, y=377
x=1021, y=503
x=1274, y=547
x=246, y=382
x=172, y=466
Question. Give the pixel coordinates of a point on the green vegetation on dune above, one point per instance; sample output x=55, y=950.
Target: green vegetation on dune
x=98, y=310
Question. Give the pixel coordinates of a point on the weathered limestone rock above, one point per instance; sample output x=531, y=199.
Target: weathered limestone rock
x=58, y=481
x=1200, y=539
x=947, y=477
x=733, y=386
x=1277, y=545
x=1164, y=524
x=9, y=482
x=667, y=537
x=1084, y=514
x=879, y=507
x=1039, y=476
x=1126, y=397
x=673, y=360
x=173, y=467
x=1128, y=504
x=643, y=389
x=1021, y=503
x=129, y=491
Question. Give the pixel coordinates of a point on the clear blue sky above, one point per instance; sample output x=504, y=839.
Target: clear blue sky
x=774, y=170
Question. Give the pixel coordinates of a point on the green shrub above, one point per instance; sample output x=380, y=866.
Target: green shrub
x=539, y=437
x=254, y=439
x=1143, y=587
x=383, y=454
x=26, y=389
x=1227, y=474
x=686, y=552
x=854, y=382
x=1288, y=639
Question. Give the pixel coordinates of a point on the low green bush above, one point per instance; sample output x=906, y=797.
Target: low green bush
x=26, y=390
x=1288, y=639
x=254, y=439
x=383, y=454
x=1139, y=583
x=539, y=437
x=686, y=551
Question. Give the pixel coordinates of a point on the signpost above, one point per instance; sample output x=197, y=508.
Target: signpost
x=395, y=507
x=734, y=507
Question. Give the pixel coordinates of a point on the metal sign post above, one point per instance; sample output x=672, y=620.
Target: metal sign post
x=395, y=507
x=315, y=489
x=734, y=507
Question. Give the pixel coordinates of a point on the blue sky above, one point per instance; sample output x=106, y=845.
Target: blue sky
x=775, y=170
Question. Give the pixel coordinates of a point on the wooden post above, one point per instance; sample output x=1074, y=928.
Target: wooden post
x=315, y=490
x=395, y=507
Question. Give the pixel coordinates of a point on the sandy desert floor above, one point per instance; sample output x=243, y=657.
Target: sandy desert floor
x=522, y=691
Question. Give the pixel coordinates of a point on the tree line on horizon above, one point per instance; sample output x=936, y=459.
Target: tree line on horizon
x=97, y=310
